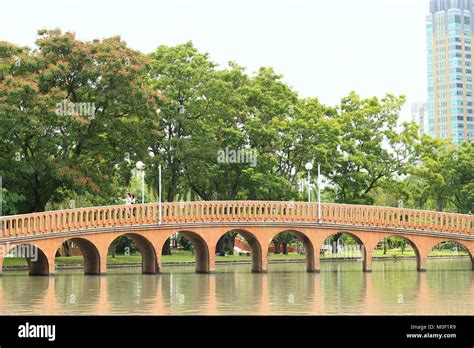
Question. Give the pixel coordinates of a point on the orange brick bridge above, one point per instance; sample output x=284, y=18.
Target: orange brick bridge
x=204, y=223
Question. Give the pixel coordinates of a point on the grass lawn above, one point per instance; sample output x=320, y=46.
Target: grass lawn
x=187, y=256
x=409, y=252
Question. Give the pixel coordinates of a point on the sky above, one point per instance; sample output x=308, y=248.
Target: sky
x=323, y=48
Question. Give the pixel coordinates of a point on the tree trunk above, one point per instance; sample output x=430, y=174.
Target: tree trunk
x=439, y=204
x=167, y=248
x=114, y=250
x=231, y=243
x=285, y=248
x=334, y=242
x=277, y=246
x=421, y=204
x=39, y=207
x=220, y=246
x=67, y=249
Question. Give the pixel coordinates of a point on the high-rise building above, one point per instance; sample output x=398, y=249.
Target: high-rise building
x=450, y=32
x=419, y=115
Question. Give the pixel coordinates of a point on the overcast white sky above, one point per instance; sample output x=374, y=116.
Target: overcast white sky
x=324, y=48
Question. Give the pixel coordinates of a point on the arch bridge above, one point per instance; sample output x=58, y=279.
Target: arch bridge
x=204, y=223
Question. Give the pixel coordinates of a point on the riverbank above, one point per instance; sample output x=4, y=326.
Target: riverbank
x=186, y=258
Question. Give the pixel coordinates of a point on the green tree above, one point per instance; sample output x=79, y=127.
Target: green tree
x=46, y=153
x=371, y=149
x=284, y=239
x=444, y=174
x=9, y=202
x=181, y=74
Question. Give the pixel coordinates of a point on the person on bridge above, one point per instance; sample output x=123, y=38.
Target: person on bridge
x=129, y=199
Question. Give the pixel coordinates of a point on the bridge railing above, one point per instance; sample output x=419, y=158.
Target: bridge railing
x=233, y=211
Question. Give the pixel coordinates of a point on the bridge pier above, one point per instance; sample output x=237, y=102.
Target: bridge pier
x=90, y=254
x=103, y=261
x=316, y=263
x=313, y=258
x=367, y=266
x=203, y=262
x=260, y=263
x=41, y=267
x=421, y=264
x=423, y=249
x=203, y=256
x=149, y=262
x=311, y=245
x=212, y=262
x=264, y=262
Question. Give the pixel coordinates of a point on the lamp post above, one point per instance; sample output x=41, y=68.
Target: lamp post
x=308, y=167
x=319, y=193
x=141, y=168
x=159, y=194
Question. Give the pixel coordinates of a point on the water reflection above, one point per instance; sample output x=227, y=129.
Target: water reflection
x=74, y=295
x=394, y=287
x=344, y=288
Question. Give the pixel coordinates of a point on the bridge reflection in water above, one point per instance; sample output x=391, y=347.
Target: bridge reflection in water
x=448, y=288
x=149, y=225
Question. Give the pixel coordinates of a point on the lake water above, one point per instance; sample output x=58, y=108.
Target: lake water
x=394, y=287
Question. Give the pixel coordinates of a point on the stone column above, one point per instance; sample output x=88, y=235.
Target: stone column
x=368, y=260
x=421, y=258
x=260, y=265
x=103, y=260
x=212, y=261
x=312, y=248
x=52, y=265
x=317, y=261
x=421, y=262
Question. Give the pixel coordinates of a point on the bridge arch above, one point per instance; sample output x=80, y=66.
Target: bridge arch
x=358, y=239
x=307, y=244
x=463, y=247
x=150, y=263
x=258, y=262
x=203, y=263
x=420, y=259
x=38, y=263
x=90, y=254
